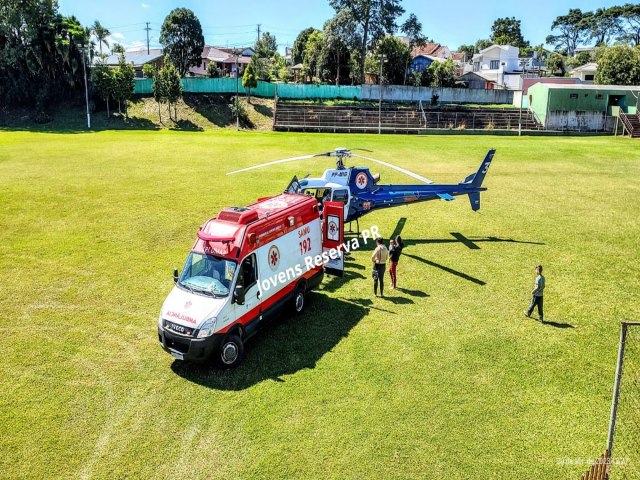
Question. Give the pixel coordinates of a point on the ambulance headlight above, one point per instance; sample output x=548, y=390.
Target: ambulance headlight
x=208, y=328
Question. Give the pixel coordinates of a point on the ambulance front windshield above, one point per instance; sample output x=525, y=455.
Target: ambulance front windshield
x=207, y=274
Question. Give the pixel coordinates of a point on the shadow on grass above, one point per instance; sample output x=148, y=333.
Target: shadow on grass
x=469, y=242
x=335, y=283
x=558, y=325
x=98, y=124
x=448, y=270
x=284, y=347
x=414, y=293
x=264, y=110
x=187, y=126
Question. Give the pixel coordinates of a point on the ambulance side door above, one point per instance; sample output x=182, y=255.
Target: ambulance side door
x=248, y=279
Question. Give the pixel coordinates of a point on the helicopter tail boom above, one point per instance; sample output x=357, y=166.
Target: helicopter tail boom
x=475, y=180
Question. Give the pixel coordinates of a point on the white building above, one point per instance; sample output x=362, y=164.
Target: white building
x=497, y=66
x=586, y=73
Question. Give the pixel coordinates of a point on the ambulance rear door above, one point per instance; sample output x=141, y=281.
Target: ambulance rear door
x=333, y=237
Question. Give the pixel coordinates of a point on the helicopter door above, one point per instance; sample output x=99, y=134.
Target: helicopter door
x=342, y=195
x=333, y=237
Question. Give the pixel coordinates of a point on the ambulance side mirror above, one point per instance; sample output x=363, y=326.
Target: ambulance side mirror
x=238, y=295
x=175, y=275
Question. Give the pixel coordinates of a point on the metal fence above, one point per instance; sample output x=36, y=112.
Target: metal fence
x=390, y=93
x=624, y=428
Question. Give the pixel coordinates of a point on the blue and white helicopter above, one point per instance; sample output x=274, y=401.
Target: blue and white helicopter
x=361, y=192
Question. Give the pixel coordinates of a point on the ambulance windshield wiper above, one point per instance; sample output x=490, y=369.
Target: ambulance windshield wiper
x=183, y=284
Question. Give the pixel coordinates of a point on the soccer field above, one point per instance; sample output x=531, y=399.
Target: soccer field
x=445, y=378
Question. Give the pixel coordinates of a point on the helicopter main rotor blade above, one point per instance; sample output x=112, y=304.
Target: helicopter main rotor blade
x=394, y=167
x=261, y=165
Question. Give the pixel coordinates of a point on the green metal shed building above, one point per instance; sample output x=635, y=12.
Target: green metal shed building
x=581, y=107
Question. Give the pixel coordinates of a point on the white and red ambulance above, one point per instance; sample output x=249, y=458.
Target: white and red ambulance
x=246, y=265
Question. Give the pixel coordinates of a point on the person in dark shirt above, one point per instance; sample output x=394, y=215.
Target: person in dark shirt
x=537, y=294
x=395, y=250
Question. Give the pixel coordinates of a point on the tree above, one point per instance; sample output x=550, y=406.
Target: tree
x=482, y=44
x=117, y=49
x=40, y=60
x=443, y=73
x=630, y=21
x=124, y=75
x=104, y=82
x=101, y=33
x=604, y=24
x=374, y=19
x=468, y=50
x=556, y=64
x=266, y=46
x=147, y=70
x=249, y=79
x=572, y=28
x=172, y=87
x=159, y=90
x=506, y=31
x=398, y=56
x=312, y=59
x=213, y=71
x=339, y=40
x=412, y=28
x=182, y=39
x=619, y=65
x=300, y=43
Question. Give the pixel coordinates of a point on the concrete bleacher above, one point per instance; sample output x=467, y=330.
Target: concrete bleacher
x=393, y=118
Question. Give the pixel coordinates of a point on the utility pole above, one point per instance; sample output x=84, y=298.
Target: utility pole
x=84, y=50
x=148, y=29
x=259, y=31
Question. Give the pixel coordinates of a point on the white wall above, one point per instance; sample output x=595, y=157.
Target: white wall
x=400, y=93
x=580, y=121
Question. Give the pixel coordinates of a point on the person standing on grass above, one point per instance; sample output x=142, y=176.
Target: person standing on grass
x=379, y=259
x=395, y=249
x=537, y=295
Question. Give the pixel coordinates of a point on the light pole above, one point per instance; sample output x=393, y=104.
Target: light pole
x=83, y=51
x=237, y=100
x=383, y=59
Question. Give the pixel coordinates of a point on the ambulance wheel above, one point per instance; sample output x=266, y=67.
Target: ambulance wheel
x=299, y=299
x=231, y=352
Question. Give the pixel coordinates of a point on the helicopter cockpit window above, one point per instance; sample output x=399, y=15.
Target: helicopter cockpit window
x=341, y=196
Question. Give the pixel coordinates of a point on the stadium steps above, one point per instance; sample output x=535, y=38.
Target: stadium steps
x=632, y=122
x=397, y=119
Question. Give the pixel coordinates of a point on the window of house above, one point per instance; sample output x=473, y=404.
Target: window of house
x=588, y=78
x=599, y=96
x=573, y=95
x=494, y=64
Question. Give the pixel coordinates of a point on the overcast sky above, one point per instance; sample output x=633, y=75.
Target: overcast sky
x=232, y=24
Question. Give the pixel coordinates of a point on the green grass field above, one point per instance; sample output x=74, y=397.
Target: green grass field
x=443, y=379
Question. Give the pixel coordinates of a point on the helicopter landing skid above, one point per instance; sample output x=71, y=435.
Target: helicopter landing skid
x=351, y=231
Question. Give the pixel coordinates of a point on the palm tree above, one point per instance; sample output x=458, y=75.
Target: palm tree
x=101, y=33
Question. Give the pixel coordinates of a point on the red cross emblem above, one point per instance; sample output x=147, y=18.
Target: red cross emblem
x=187, y=305
x=361, y=180
x=274, y=257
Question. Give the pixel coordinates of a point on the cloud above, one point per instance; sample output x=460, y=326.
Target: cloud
x=134, y=46
x=144, y=5
x=117, y=36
